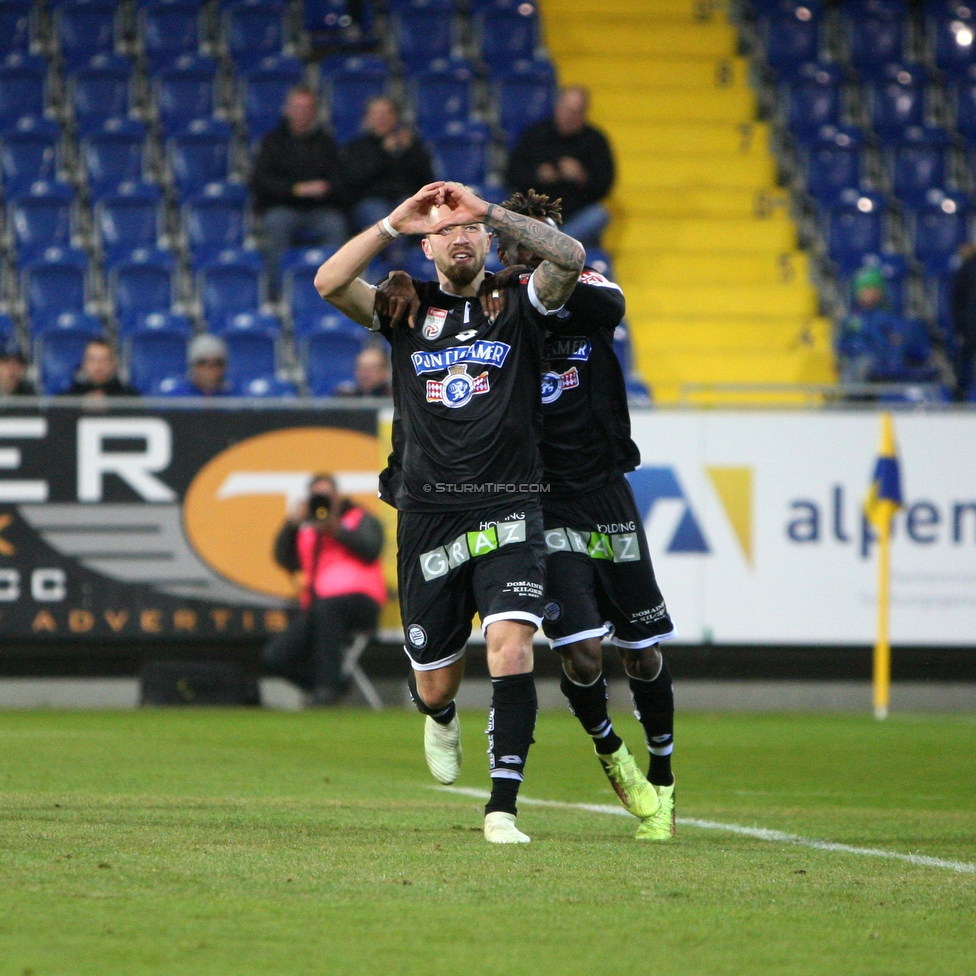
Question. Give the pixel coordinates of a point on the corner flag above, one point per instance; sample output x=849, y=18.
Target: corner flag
x=884, y=496
x=884, y=499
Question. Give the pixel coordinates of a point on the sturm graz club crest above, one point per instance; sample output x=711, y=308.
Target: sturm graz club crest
x=554, y=383
x=457, y=388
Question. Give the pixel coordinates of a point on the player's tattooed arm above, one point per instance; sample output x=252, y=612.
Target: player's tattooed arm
x=562, y=255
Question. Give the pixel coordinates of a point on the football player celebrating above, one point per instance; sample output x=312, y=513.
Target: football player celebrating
x=466, y=473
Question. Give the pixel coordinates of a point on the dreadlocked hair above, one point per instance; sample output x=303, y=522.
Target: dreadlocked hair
x=538, y=205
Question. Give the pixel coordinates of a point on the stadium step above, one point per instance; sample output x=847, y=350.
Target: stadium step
x=702, y=239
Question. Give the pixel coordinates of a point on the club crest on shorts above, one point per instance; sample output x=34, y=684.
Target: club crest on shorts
x=417, y=635
x=457, y=388
x=552, y=610
x=434, y=323
x=554, y=383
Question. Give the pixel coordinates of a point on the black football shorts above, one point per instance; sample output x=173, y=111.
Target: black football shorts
x=600, y=579
x=452, y=564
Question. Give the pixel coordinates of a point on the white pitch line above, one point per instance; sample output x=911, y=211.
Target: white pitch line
x=760, y=833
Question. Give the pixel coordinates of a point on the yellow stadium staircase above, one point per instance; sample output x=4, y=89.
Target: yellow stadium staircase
x=718, y=292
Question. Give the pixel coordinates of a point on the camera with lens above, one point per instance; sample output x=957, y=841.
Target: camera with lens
x=319, y=507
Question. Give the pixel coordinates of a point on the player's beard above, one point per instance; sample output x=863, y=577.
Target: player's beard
x=461, y=275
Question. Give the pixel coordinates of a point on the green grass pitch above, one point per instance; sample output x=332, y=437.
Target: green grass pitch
x=246, y=842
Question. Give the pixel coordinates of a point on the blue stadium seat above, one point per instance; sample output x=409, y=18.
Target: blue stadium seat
x=8, y=329
x=229, y=287
x=84, y=29
x=263, y=91
x=814, y=99
x=41, y=218
x=294, y=257
x=962, y=101
x=349, y=88
x=895, y=271
x=199, y=156
x=253, y=31
x=918, y=162
x=58, y=350
x=940, y=226
x=110, y=158
x=166, y=31
x=183, y=93
x=442, y=94
x=251, y=354
x=140, y=285
x=28, y=153
x=856, y=226
x=98, y=94
x=834, y=162
x=329, y=321
x=329, y=359
x=215, y=219
x=523, y=95
x=129, y=218
x=329, y=23
x=15, y=29
x=875, y=32
x=155, y=321
x=263, y=322
x=300, y=295
x=791, y=36
x=22, y=88
x=422, y=35
x=897, y=100
x=269, y=386
x=505, y=37
x=54, y=282
x=951, y=37
x=154, y=355
x=462, y=154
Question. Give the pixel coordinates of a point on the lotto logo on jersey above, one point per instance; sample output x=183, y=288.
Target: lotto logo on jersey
x=434, y=322
x=553, y=384
x=457, y=388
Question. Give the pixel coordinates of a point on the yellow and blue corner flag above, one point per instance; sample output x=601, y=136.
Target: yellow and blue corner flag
x=884, y=496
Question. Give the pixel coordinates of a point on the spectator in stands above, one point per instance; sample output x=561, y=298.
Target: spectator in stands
x=372, y=376
x=13, y=366
x=298, y=183
x=207, y=356
x=963, y=304
x=336, y=545
x=875, y=344
x=98, y=375
x=566, y=158
x=384, y=165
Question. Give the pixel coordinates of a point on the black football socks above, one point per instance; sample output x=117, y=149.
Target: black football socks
x=654, y=708
x=441, y=715
x=511, y=723
x=589, y=704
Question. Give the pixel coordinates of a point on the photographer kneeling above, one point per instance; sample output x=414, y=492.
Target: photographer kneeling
x=337, y=545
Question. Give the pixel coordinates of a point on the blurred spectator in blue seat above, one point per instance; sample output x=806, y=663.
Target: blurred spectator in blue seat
x=298, y=182
x=372, y=377
x=568, y=159
x=875, y=344
x=98, y=375
x=207, y=356
x=963, y=305
x=13, y=366
x=384, y=165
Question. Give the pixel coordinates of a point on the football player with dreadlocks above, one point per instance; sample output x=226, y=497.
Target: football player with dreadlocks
x=600, y=580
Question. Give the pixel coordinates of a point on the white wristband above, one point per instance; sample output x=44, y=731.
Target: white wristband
x=387, y=227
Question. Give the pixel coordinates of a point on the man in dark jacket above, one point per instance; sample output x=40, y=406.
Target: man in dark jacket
x=98, y=375
x=384, y=165
x=336, y=545
x=13, y=366
x=568, y=159
x=298, y=182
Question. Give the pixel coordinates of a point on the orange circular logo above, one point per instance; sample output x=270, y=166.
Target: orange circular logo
x=239, y=500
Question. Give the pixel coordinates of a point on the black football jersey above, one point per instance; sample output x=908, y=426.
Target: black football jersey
x=586, y=441
x=467, y=415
